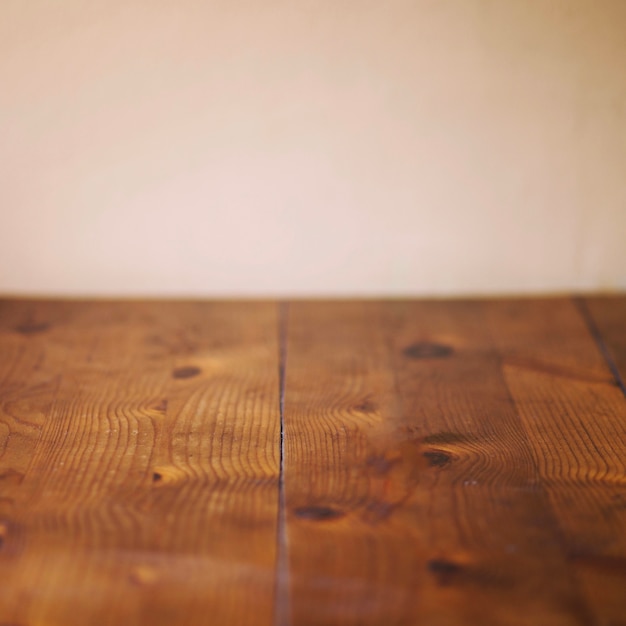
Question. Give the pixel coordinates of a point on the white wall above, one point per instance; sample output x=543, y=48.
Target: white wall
x=312, y=146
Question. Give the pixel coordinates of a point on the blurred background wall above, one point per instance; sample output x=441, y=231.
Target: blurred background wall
x=187, y=147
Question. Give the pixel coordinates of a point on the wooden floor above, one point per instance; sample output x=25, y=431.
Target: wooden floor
x=304, y=463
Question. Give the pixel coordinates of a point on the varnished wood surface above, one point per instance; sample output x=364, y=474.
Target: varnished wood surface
x=139, y=465
x=302, y=463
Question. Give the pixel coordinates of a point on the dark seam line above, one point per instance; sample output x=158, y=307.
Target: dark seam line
x=281, y=593
x=593, y=329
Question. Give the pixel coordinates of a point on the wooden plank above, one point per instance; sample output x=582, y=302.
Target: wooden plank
x=606, y=317
x=140, y=463
x=575, y=415
x=412, y=496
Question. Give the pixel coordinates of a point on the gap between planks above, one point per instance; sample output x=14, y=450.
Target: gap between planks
x=282, y=610
x=594, y=331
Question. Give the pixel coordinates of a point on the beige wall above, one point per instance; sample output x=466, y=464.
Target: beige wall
x=246, y=147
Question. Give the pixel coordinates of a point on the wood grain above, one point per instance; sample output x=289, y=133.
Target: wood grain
x=574, y=413
x=139, y=466
x=342, y=462
x=412, y=492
